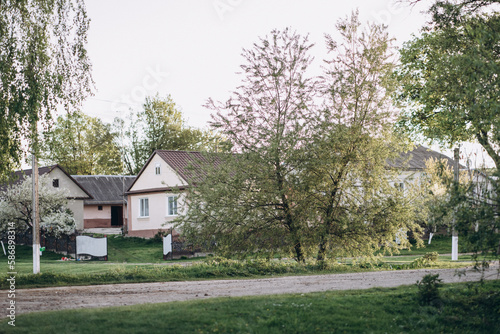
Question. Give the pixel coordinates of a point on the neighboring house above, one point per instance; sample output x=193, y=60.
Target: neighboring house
x=412, y=164
x=61, y=179
x=157, y=195
x=107, y=208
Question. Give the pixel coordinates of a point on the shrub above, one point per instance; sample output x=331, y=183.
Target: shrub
x=428, y=289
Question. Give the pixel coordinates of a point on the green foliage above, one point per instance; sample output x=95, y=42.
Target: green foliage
x=304, y=180
x=425, y=261
x=43, y=64
x=90, y=146
x=160, y=126
x=358, y=311
x=450, y=83
x=431, y=257
x=251, y=201
x=428, y=289
x=345, y=167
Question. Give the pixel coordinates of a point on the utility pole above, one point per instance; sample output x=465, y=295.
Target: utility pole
x=454, y=232
x=36, y=215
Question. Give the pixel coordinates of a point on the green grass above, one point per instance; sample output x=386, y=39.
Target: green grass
x=461, y=309
x=88, y=273
x=439, y=243
x=134, y=260
x=134, y=250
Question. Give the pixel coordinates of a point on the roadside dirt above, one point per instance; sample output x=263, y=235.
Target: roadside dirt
x=44, y=299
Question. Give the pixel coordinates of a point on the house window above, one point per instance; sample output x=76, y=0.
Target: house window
x=399, y=185
x=99, y=207
x=144, y=207
x=172, y=206
x=55, y=183
x=158, y=169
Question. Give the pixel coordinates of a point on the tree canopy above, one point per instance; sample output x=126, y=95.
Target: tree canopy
x=43, y=64
x=357, y=208
x=305, y=178
x=160, y=126
x=83, y=145
x=450, y=79
x=450, y=90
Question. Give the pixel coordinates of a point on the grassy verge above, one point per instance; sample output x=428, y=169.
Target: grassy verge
x=77, y=273
x=461, y=309
x=146, y=267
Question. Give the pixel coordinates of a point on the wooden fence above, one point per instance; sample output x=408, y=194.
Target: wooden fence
x=65, y=244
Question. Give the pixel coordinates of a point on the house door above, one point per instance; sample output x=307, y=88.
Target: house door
x=116, y=216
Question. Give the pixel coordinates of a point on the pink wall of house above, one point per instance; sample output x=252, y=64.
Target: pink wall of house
x=158, y=218
x=95, y=218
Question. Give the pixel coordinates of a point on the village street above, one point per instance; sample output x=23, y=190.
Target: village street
x=43, y=299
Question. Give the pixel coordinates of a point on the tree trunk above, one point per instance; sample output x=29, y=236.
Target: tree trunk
x=323, y=245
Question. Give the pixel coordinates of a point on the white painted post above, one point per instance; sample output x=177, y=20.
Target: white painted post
x=454, y=233
x=454, y=248
x=167, y=246
x=36, y=216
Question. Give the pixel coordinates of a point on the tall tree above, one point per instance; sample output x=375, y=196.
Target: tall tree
x=83, y=145
x=43, y=63
x=160, y=126
x=357, y=209
x=251, y=202
x=451, y=80
x=450, y=87
x=305, y=179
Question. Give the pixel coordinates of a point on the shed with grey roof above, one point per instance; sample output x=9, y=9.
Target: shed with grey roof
x=106, y=208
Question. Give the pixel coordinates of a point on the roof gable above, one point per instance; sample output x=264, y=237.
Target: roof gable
x=416, y=159
x=18, y=177
x=188, y=164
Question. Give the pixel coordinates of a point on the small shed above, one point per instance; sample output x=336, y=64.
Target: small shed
x=107, y=208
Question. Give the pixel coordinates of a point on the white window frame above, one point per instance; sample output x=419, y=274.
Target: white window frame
x=175, y=199
x=143, y=207
x=400, y=185
x=158, y=168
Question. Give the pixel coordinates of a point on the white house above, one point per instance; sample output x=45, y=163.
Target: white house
x=157, y=195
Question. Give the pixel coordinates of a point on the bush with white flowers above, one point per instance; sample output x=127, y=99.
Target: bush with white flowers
x=16, y=207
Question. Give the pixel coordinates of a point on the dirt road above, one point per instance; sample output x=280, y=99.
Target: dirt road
x=32, y=300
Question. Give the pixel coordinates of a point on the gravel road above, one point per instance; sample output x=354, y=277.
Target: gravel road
x=43, y=299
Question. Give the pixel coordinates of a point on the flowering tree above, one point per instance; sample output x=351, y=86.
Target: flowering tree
x=15, y=207
x=306, y=180
x=252, y=202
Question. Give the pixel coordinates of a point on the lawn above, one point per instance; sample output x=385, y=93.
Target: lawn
x=462, y=308
x=136, y=260
x=134, y=250
x=439, y=243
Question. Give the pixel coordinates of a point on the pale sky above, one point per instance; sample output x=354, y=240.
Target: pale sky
x=191, y=49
